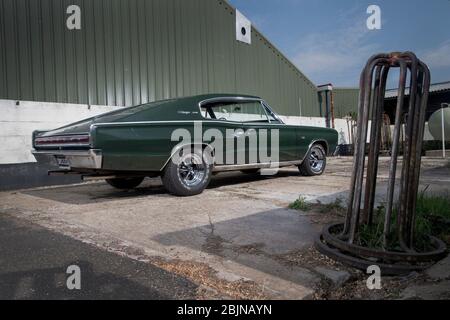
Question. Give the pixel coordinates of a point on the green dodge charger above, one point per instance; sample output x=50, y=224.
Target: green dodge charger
x=185, y=141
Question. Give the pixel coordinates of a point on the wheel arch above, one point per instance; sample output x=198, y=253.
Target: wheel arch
x=322, y=142
x=179, y=147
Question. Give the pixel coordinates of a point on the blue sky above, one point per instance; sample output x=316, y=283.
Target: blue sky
x=329, y=41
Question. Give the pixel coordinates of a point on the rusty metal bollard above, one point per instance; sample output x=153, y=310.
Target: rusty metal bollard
x=339, y=240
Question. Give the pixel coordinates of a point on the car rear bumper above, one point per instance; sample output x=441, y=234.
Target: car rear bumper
x=83, y=159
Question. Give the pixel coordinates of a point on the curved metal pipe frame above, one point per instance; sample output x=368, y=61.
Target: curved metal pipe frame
x=363, y=186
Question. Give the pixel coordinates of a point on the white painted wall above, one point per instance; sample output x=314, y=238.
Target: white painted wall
x=17, y=123
x=340, y=125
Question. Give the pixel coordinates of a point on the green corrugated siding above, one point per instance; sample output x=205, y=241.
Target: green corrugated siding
x=134, y=51
x=345, y=101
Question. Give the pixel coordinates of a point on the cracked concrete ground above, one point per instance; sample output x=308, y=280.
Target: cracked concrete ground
x=236, y=239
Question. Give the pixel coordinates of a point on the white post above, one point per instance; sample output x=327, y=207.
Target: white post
x=300, y=105
x=443, y=128
x=443, y=133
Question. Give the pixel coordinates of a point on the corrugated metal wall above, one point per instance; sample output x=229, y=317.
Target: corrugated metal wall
x=345, y=101
x=133, y=51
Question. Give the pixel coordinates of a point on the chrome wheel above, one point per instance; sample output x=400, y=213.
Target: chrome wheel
x=316, y=159
x=191, y=170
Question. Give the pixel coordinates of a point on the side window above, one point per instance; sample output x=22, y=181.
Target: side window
x=242, y=112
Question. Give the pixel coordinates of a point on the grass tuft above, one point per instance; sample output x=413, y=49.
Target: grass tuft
x=432, y=218
x=433, y=205
x=300, y=204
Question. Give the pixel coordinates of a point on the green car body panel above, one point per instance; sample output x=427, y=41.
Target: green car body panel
x=139, y=138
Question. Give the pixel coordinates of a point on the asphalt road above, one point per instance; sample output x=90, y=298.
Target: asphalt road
x=34, y=260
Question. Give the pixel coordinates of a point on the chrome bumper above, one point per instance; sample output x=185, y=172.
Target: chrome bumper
x=89, y=159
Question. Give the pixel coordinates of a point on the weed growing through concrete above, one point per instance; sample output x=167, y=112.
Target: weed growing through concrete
x=300, y=204
x=432, y=218
x=434, y=213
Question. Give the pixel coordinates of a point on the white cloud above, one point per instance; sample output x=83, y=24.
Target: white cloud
x=438, y=57
x=336, y=56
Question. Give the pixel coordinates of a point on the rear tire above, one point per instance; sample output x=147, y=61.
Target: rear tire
x=189, y=175
x=315, y=162
x=125, y=183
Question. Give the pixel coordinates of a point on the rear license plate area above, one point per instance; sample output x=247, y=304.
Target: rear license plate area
x=62, y=162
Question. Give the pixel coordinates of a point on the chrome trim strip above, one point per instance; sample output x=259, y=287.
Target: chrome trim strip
x=227, y=99
x=237, y=167
x=74, y=153
x=316, y=141
x=119, y=124
x=265, y=111
x=281, y=164
x=89, y=159
x=264, y=105
x=140, y=123
x=69, y=137
x=276, y=115
x=61, y=134
x=63, y=145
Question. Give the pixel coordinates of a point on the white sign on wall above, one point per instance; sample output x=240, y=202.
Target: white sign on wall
x=243, y=28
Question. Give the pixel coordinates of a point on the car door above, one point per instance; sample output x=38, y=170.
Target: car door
x=236, y=114
x=288, y=135
x=223, y=125
x=242, y=119
x=253, y=118
x=265, y=123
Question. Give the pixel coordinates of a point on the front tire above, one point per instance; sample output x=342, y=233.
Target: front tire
x=125, y=183
x=189, y=175
x=315, y=161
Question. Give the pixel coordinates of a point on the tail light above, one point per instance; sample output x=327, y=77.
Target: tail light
x=65, y=141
